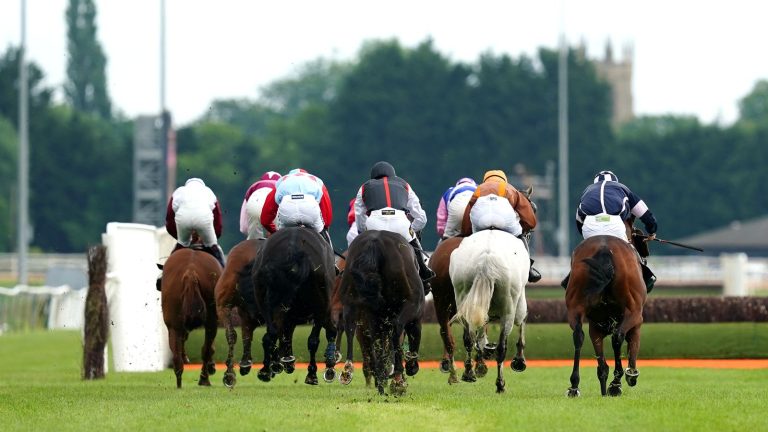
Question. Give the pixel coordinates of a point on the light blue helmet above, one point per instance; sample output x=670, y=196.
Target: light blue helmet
x=466, y=180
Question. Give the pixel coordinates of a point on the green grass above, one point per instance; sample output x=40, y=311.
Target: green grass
x=554, y=341
x=40, y=389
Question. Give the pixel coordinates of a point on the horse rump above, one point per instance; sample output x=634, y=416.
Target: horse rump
x=601, y=270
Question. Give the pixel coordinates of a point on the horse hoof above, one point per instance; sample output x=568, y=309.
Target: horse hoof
x=276, y=368
x=310, y=380
x=452, y=379
x=398, y=388
x=614, y=390
x=631, y=376
x=329, y=375
x=205, y=382
x=245, y=367
x=445, y=366
x=289, y=364
x=518, y=364
x=345, y=378
x=481, y=370
x=573, y=392
x=229, y=379
x=265, y=375
x=468, y=377
x=412, y=367
x=488, y=351
x=500, y=386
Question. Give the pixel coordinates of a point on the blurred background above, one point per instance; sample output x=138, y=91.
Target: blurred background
x=126, y=100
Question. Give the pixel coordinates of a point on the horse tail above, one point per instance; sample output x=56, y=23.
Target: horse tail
x=192, y=303
x=365, y=273
x=601, y=270
x=283, y=277
x=473, y=309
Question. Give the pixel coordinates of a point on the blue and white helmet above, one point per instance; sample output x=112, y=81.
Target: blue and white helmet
x=605, y=176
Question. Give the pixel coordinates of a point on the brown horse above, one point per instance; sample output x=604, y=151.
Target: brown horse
x=444, y=300
x=234, y=290
x=606, y=289
x=189, y=278
x=343, y=318
x=381, y=285
x=293, y=282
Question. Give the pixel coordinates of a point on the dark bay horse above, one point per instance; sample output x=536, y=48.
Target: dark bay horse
x=489, y=270
x=344, y=318
x=187, y=298
x=382, y=286
x=606, y=289
x=234, y=290
x=293, y=279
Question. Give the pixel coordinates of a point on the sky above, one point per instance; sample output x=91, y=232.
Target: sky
x=690, y=57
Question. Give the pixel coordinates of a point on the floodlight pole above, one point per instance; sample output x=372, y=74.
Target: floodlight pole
x=563, y=248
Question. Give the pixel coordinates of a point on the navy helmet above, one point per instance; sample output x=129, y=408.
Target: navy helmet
x=605, y=176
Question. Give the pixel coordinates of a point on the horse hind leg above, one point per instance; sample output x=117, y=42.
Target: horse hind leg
x=413, y=331
x=518, y=362
x=501, y=354
x=246, y=361
x=578, y=342
x=209, y=366
x=176, y=342
x=469, y=374
x=633, y=342
x=313, y=343
x=597, y=336
x=229, y=378
x=617, y=339
x=331, y=334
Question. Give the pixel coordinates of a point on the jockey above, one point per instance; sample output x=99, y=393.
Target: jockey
x=606, y=208
x=442, y=212
x=194, y=207
x=457, y=201
x=386, y=202
x=299, y=198
x=352, y=232
x=496, y=204
x=255, y=196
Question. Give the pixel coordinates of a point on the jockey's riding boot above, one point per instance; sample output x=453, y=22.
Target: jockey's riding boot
x=218, y=254
x=564, y=282
x=327, y=237
x=648, y=276
x=425, y=273
x=533, y=274
x=159, y=281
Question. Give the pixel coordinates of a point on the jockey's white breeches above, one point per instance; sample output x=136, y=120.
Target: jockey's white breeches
x=389, y=219
x=492, y=211
x=299, y=209
x=190, y=219
x=604, y=224
x=253, y=209
x=456, y=213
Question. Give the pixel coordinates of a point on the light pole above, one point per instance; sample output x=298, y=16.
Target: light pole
x=23, y=227
x=563, y=248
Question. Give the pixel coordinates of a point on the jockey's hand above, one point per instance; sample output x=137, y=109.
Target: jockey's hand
x=650, y=237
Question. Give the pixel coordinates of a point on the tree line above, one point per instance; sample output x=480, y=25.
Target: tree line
x=435, y=119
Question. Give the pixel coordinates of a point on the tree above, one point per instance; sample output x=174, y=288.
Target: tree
x=86, y=87
x=39, y=96
x=754, y=106
x=8, y=180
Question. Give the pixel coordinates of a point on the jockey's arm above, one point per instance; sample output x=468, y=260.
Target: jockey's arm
x=524, y=209
x=417, y=213
x=466, y=223
x=170, y=220
x=361, y=216
x=269, y=212
x=217, y=224
x=326, y=208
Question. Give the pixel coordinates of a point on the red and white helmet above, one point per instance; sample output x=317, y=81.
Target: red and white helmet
x=270, y=175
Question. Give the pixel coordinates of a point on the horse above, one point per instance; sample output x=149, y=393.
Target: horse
x=444, y=300
x=382, y=288
x=187, y=299
x=606, y=289
x=293, y=278
x=344, y=319
x=235, y=290
x=489, y=270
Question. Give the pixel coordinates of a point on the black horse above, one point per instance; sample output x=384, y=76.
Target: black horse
x=382, y=286
x=293, y=280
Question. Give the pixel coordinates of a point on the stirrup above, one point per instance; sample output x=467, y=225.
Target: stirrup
x=533, y=275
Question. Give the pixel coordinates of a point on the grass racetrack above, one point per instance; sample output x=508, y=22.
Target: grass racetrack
x=41, y=389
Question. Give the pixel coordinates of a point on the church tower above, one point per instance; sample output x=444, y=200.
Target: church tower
x=618, y=74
